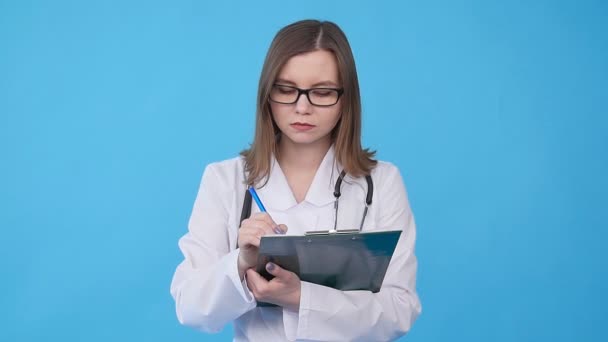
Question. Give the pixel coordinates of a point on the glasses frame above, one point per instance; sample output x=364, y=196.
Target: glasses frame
x=305, y=92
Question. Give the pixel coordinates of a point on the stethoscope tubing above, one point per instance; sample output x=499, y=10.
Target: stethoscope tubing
x=247, y=202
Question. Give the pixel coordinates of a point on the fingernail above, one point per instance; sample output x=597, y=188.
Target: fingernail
x=269, y=267
x=278, y=230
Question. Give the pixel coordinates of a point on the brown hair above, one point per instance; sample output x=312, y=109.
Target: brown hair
x=297, y=38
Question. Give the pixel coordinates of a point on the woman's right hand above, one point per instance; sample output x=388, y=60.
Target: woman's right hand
x=250, y=233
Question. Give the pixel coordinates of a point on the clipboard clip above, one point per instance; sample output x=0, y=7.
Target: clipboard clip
x=331, y=232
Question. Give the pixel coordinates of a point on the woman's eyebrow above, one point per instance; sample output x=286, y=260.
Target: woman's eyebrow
x=284, y=81
x=318, y=84
x=325, y=84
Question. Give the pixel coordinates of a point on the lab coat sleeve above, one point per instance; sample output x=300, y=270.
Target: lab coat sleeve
x=206, y=286
x=327, y=314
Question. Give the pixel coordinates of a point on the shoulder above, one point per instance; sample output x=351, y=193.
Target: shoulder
x=384, y=174
x=235, y=163
x=391, y=194
x=385, y=171
x=229, y=171
x=387, y=178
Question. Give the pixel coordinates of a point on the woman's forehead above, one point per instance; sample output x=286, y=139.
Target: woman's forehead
x=310, y=69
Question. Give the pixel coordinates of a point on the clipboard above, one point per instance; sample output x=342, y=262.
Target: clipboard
x=344, y=260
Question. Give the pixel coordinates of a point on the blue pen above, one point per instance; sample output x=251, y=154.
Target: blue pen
x=256, y=198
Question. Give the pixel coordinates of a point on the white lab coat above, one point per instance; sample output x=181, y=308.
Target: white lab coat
x=208, y=291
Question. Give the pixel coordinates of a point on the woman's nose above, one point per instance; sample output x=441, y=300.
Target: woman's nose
x=303, y=106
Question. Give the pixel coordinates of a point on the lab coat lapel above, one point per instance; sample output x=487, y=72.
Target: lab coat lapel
x=276, y=194
x=321, y=190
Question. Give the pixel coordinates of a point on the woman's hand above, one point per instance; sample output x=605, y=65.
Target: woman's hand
x=283, y=289
x=250, y=233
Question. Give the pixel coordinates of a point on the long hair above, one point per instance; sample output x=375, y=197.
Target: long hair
x=298, y=38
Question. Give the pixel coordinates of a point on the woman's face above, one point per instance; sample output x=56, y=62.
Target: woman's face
x=303, y=123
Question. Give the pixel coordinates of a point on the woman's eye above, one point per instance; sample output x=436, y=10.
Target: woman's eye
x=322, y=92
x=285, y=90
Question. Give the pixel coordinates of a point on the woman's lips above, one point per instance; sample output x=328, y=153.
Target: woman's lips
x=299, y=126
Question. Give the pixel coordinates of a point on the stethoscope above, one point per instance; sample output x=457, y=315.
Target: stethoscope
x=246, y=210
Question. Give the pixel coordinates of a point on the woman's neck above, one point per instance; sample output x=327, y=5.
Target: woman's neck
x=300, y=163
x=304, y=157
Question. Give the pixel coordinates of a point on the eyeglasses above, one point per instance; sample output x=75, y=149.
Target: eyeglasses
x=321, y=97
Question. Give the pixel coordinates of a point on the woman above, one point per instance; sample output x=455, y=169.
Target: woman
x=308, y=127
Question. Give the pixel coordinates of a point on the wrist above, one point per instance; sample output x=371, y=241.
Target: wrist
x=241, y=266
x=294, y=300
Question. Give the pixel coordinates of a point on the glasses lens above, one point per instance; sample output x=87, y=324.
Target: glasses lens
x=283, y=94
x=323, y=96
x=317, y=96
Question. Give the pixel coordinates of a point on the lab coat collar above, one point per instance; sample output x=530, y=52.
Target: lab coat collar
x=277, y=194
x=321, y=191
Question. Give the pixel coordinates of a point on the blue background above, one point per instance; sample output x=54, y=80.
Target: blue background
x=495, y=112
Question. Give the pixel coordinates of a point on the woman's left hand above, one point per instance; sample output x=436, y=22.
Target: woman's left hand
x=282, y=290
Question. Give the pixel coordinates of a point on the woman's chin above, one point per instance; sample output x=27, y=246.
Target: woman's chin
x=304, y=139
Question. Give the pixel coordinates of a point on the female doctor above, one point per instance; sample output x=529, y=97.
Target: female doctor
x=308, y=127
